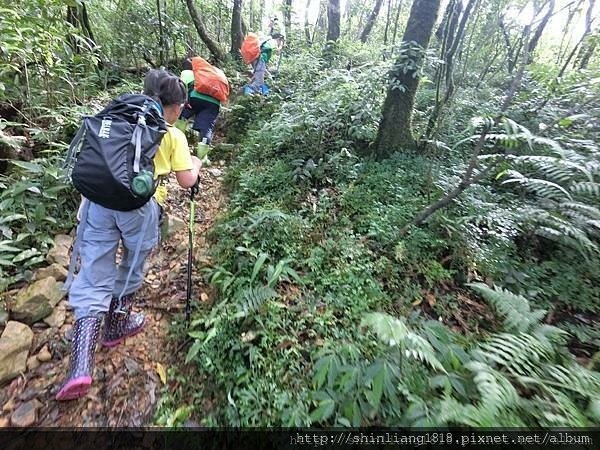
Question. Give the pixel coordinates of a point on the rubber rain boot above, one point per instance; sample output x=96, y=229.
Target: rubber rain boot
x=83, y=347
x=120, y=322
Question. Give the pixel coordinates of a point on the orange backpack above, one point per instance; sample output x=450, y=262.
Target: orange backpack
x=210, y=80
x=250, y=48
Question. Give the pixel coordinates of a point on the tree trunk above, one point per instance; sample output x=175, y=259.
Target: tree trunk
x=212, y=46
x=456, y=41
x=540, y=29
x=78, y=17
x=85, y=23
x=589, y=51
x=588, y=45
x=287, y=17
x=261, y=14
x=395, y=128
x=237, y=36
x=73, y=19
x=560, y=54
x=371, y=21
x=333, y=20
x=307, y=23
x=161, y=35
x=387, y=22
x=396, y=20
x=321, y=18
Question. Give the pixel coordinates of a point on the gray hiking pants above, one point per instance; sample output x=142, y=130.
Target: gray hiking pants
x=99, y=278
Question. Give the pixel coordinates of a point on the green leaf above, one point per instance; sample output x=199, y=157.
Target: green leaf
x=258, y=265
x=323, y=411
x=26, y=254
x=378, y=381
x=33, y=261
x=29, y=166
x=12, y=218
x=322, y=366
x=197, y=334
x=193, y=351
x=8, y=248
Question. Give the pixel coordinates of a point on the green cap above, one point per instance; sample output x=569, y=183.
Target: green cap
x=187, y=76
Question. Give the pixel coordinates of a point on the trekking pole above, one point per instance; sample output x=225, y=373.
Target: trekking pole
x=188, y=301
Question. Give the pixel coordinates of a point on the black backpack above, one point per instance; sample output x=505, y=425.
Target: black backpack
x=112, y=154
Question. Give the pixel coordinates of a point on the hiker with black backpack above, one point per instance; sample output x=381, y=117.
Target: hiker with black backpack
x=122, y=153
x=208, y=88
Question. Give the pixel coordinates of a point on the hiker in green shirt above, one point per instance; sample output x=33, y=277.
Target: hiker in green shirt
x=202, y=107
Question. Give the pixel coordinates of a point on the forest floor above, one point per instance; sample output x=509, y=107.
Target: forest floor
x=129, y=378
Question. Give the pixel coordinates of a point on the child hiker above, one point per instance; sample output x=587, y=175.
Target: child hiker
x=204, y=108
x=95, y=292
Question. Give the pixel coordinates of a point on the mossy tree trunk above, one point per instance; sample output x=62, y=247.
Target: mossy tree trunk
x=395, y=128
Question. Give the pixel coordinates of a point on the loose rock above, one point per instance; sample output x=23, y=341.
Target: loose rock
x=44, y=355
x=37, y=301
x=58, y=316
x=14, y=348
x=59, y=254
x=215, y=172
x=26, y=414
x=58, y=272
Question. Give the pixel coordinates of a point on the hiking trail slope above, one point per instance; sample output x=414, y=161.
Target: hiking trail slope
x=129, y=378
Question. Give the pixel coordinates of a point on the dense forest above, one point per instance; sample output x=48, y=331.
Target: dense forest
x=407, y=230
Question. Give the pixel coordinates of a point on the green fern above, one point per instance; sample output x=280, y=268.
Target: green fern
x=394, y=332
x=515, y=309
x=585, y=188
x=540, y=187
x=251, y=299
x=520, y=354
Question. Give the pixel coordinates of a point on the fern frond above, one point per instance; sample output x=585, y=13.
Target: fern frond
x=495, y=389
x=559, y=230
x=560, y=410
x=585, y=188
x=558, y=169
x=515, y=309
x=520, y=353
x=591, y=212
x=253, y=298
x=542, y=188
x=576, y=378
x=394, y=332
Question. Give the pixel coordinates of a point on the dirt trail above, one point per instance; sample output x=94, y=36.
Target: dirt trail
x=128, y=379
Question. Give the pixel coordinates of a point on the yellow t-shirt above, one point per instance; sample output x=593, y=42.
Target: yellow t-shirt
x=173, y=155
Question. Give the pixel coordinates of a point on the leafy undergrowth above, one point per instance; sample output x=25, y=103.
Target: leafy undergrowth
x=327, y=314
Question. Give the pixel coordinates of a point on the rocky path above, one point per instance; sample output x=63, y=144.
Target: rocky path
x=129, y=379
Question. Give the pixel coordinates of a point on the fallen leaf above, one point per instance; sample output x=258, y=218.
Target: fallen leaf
x=160, y=370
